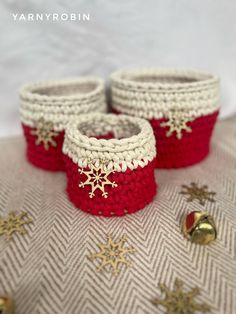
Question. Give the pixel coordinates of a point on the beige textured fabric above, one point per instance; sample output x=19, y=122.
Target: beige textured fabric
x=47, y=270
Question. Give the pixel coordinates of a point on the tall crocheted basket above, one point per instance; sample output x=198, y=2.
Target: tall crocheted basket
x=182, y=107
x=46, y=108
x=110, y=161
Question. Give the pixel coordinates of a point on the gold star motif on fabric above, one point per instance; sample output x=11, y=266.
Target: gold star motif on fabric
x=199, y=193
x=13, y=223
x=112, y=254
x=7, y=305
x=180, y=302
x=45, y=134
x=177, y=123
x=97, y=178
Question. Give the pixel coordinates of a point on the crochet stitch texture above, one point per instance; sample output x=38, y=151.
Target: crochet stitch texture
x=122, y=146
x=56, y=103
x=160, y=95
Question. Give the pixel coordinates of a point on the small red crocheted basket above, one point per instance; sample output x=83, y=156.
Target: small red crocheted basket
x=46, y=108
x=110, y=161
x=182, y=107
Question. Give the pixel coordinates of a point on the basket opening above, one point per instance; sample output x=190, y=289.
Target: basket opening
x=66, y=89
x=164, y=79
x=101, y=129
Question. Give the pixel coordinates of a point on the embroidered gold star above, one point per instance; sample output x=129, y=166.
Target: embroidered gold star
x=13, y=223
x=199, y=193
x=97, y=178
x=177, y=122
x=180, y=302
x=45, y=134
x=112, y=254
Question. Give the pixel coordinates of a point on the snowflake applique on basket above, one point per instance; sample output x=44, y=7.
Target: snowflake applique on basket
x=97, y=178
x=44, y=133
x=177, y=123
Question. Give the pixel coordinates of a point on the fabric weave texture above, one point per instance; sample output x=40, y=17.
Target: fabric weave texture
x=48, y=271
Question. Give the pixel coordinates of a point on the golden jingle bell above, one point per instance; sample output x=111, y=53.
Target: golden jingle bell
x=6, y=305
x=199, y=227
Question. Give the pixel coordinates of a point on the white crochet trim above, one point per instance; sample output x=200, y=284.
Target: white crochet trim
x=133, y=145
x=150, y=93
x=59, y=101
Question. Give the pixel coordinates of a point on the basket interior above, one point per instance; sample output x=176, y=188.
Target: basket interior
x=166, y=78
x=163, y=79
x=109, y=128
x=66, y=89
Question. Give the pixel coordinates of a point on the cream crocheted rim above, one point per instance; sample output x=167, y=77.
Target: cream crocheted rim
x=66, y=89
x=133, y=145
x=163, y=79
x=152, y=93
x=58, y=101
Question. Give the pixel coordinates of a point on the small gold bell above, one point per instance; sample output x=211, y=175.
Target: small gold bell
x=199, y=227
x=6, y=305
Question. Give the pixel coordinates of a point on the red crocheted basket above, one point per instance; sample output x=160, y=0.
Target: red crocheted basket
x=46, y=157
x=46, y=108
x=182, y=107
x=110, y=161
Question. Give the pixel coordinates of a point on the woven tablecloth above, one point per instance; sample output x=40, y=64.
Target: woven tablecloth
x=48, y=270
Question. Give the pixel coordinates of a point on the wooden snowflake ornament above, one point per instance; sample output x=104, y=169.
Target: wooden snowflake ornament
x=177, y=123
x=198, y=193
x=112, y=254
x=13, y=223
x=180, y=302
x=97, y=178
x=45, y=134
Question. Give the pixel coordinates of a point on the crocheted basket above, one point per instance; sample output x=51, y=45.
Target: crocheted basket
x=46, y=108
x=182, y=107
x=110, y=161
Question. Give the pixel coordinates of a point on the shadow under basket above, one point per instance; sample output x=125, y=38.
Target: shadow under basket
x=48, y=159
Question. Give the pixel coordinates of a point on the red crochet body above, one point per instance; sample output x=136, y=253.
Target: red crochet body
x=51, y=159
x=190, y=149
x=135, y=189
